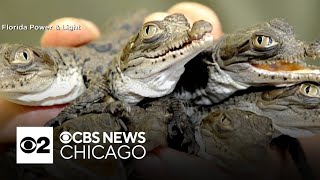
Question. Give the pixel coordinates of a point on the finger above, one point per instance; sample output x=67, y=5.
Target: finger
x=157, y=16
x=15, y=115
x=87, y=32
x=195, y=11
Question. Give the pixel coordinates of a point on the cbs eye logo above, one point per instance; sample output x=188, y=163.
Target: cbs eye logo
x=29, y=145
x=34, y=145
x=65, y=137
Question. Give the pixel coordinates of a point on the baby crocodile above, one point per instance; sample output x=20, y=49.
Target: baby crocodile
x=152, y=120
x=48, y=76
x=255, y=118
x=294, y=110
x=236, y=140
x=149, y=65
x=264, y=54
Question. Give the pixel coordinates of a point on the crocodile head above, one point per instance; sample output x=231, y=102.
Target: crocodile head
x=24, y=70
x=154, y=59
x=234, y=138
x=267, y=53
x=294, y=110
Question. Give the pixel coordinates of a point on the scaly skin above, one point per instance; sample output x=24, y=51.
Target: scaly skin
x=152, y=120
x=234, y=139
x=264, y=54
x=238, y=141
x=150, y=65
x=293, y=110
x=37, y=76
x=49, y=76
x=236, y=132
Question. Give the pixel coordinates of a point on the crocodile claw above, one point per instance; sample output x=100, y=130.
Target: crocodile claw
x=61, y=118
x=118, y=107
x=115, y=108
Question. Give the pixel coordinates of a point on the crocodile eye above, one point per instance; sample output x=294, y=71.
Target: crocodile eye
x=225, y=122
x=23, y=56
x=261, y=42
x=150, y=32
x=309, y=90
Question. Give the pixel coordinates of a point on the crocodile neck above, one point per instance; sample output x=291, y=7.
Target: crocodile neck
x=67, y=85
x=215, y=84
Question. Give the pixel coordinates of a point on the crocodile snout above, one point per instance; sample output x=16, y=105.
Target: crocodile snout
x=199, y=29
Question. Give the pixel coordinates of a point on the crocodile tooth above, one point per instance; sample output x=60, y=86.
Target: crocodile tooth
x=181, y=43
x=290, y=76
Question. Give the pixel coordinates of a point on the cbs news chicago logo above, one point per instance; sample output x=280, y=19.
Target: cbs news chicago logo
x=34, y=145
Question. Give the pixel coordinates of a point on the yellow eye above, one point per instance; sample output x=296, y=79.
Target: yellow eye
x=309, y=90
x=22, y=56
x=263, y=42
x=150, y=32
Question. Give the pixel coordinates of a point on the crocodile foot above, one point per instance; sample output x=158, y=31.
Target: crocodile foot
x=117, y=108
x=179, y=125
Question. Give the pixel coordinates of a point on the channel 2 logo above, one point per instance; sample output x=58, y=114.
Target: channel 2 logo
x=34, y=145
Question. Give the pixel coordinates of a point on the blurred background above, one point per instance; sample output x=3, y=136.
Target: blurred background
x=303, y=15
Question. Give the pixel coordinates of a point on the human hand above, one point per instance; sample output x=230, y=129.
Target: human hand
x=163, y=162
x=13, y=115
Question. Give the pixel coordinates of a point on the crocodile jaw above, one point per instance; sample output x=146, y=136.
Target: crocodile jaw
x=64, y=89
x=285, y=78
x=166, y=75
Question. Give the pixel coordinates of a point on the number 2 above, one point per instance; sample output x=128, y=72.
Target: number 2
x=46, y=143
